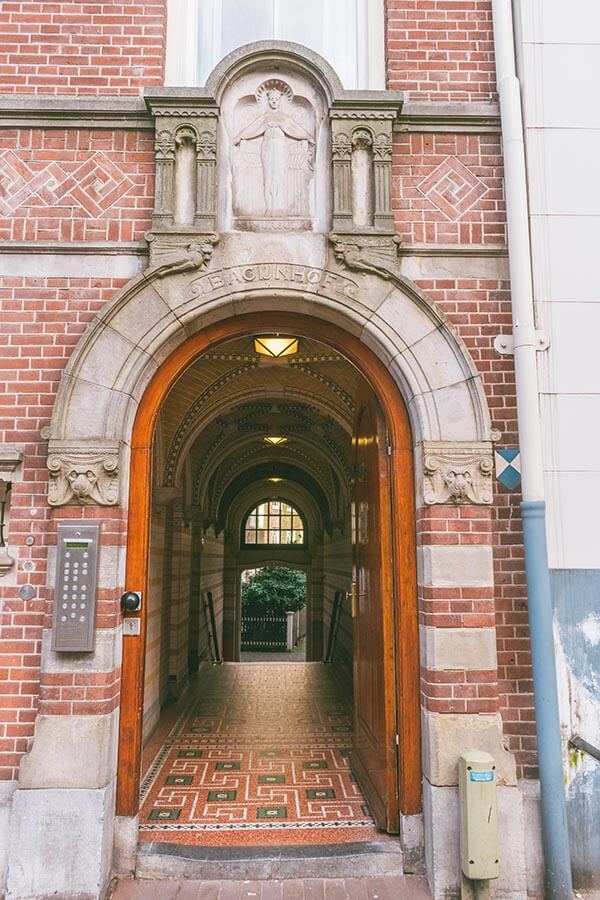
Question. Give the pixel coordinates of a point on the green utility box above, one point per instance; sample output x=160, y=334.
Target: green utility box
x=478, y=815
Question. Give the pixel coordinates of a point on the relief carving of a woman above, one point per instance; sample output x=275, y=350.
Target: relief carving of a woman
x=285, y=151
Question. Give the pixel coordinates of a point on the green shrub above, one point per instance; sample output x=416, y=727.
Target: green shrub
x=274, y=590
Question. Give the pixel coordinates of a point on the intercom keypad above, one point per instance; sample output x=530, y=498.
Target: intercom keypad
x=75, y=589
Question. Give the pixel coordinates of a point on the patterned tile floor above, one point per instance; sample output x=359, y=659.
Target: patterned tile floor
x=258, y=756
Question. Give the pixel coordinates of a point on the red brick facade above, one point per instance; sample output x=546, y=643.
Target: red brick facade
x=97, y=185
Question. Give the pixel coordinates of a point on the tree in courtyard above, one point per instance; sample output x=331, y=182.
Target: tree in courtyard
x=274, y=590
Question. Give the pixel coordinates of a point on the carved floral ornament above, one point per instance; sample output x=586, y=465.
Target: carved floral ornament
x=457, y=474
x=83, y=476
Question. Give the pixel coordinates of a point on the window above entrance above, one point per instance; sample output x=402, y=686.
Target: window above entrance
x=273, y=522
x=349, y=34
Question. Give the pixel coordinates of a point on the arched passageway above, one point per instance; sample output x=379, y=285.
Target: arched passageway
x=201, y=459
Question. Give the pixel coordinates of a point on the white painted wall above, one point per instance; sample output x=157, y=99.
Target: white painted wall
x=559, y=67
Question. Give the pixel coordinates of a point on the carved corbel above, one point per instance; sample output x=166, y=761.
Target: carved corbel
x=83, y=475
x=377, y=255
x=458, y=474
x=172, y=259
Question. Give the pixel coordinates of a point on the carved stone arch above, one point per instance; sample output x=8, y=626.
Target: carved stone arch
x=155, y=313
x=277, y=55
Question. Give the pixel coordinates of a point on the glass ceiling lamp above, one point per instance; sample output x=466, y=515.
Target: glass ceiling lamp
x=275, y=479
x=276, y=345
x=275, y=440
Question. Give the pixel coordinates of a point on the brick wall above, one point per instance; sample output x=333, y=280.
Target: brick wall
x=87, y=185
x=42, y=318
x=441, y=49
x=75, y=185
x=54, y=47
x=447, y=189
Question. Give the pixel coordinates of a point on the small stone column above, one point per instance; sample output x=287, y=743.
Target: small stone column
x=185, y=206
x=361, y=132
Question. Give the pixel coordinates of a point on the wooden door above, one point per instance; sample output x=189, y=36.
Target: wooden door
x=374, y=759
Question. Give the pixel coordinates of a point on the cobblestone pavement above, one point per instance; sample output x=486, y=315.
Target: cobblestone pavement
x=393, y=887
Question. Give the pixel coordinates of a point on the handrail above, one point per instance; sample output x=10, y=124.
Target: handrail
x=580, y=744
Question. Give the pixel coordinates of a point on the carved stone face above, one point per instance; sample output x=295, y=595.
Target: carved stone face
x=82, y=482
x=274, y=99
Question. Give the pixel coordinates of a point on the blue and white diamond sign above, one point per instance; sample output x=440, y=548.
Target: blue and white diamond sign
x=508, y=468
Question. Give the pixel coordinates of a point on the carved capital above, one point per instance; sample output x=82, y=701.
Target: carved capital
x=454, y=473
x=164, y=146
x=175, y=253
x=185, y=136
x=382, y=147
x=341, y=147
x=11, y=458
x=83, y=475
x=362, y=139
x=206, y=147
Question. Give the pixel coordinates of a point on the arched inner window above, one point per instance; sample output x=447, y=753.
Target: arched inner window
x=349, y=34
x=273, y=522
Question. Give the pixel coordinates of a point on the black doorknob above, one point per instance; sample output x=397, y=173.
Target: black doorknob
x=131, y=601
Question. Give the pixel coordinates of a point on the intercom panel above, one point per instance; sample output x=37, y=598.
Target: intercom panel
x=75, y=587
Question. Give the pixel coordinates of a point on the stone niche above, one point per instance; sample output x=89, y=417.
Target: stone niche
x=273, y=166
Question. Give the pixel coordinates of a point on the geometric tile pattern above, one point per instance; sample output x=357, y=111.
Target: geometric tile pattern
x=452, y=188
x=93, y=187
x=508, y=468
x=261, y=757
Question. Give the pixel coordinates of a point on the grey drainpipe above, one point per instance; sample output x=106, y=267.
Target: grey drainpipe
x=553, y=802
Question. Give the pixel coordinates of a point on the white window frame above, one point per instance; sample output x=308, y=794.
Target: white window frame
x=183, y=41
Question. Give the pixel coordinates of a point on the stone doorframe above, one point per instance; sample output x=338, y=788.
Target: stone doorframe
x=156, y=313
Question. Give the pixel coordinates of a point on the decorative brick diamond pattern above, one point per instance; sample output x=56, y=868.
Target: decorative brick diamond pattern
x=93, y=188
x=452, y=188
x=261, y=758
x=75, y=185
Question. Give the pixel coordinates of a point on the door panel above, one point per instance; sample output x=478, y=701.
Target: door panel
x=375, y=754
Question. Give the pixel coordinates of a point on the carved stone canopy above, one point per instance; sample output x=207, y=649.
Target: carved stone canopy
x=85, y=475
x=457, y=474
x=11, y=458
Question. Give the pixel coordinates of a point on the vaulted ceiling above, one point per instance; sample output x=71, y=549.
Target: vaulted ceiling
x=220, y=410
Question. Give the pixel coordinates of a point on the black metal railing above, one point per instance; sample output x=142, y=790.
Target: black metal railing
x=264, y=632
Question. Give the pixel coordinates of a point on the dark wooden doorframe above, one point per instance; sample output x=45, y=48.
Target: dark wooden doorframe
x=403, y=561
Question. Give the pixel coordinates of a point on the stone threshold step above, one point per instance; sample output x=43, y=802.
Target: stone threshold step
x=352, y=860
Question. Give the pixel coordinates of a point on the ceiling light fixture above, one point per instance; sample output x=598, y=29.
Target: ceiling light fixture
x=276, y=345
x=275, y=440
x=275, y=480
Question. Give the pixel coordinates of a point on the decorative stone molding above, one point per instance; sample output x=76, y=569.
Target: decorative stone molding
x=367, y=253
x=457, y=474
x=170, y=256
x=83, y=475
x=11, y=458
x=361, y=137
x=185, y=151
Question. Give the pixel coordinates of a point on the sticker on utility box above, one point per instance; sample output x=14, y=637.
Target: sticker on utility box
x=481, y=776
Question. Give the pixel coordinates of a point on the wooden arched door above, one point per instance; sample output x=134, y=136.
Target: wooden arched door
x=374, y=757
x=396, y=554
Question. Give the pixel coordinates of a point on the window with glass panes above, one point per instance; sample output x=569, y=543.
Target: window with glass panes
x=273, y=522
